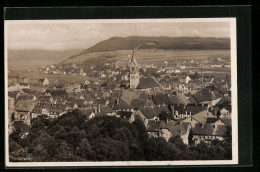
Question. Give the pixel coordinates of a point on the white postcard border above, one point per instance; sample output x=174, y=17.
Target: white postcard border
x=233, y=51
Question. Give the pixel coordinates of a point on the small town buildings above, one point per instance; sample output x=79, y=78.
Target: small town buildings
x=44, y=82
x=207, y=132
x=200, y=118
x=22, y=111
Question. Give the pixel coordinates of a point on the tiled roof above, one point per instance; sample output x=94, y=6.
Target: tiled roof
x=101, y=101
x=150, y=112
x=183, y=98
x=161, y=99
x=145, y=83
x=24, y=105
x=202, y=96
x=154, y=126
x=192, y=100
x=201, y=117
x=216, y=94
x=195, y=109
x=227, y=121
x=128, y=96
x=178, y=130
x=220, y=130
x=225, y=100
x=174, y=100
x=203, y=129
x=25, y=97
x=122, y=105
x=227, y=107
x=59, y=93
x=212, y=120
x=138, y=103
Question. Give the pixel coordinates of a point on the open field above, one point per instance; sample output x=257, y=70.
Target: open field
x=149, y=56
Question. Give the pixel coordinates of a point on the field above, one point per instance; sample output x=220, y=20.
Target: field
x=149, y=56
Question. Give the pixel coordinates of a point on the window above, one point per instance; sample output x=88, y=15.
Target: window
x=133, y=68
x=21, y=116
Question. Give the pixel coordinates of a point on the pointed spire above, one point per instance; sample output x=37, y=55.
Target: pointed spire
x=133, y=54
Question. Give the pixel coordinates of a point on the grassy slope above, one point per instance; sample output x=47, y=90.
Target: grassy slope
x=148, y=56
x=168, y=43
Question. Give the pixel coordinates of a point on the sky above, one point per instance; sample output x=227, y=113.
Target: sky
x=82, y=35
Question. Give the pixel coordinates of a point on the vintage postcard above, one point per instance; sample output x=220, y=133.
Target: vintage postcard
x=132, y=92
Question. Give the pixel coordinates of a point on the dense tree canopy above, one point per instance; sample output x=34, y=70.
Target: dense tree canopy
x=71, y=138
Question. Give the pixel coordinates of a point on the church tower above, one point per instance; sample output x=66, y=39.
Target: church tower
x=134, y=72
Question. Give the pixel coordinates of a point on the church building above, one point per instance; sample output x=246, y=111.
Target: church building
x=136, y=82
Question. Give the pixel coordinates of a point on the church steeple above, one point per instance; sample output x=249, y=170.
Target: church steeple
x=134, y=71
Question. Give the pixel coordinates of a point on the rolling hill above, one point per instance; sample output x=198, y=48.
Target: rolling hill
x=167, y=43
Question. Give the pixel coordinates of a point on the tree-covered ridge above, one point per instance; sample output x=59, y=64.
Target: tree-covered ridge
x=72, y=138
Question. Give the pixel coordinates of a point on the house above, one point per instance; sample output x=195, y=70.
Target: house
x=183, y=98
x=138, y=103
x=14, y=88
x=53, y=110
x=154, y=129
x=87, y=82
x=184, y=111
x=147, y=84
x=59, y=94
x=22, y=111
x=207, y=97
x=188, y=79
x=149, y=113
x=208, y=132
x=44, y=82
x=182, y=130
x=24, y=86
x=103, y=111
x=200, y=118
x=121, y=105
x=215, y=121
x=26, y=97
x=225, y=112
x=128, y=96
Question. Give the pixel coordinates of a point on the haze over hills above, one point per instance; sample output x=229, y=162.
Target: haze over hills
x=167, y=43
x=28, y=59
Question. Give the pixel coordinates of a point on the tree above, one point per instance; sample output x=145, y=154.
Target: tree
x=65, y=153
x=196, y=75
x=40, y=154
x=85, y=150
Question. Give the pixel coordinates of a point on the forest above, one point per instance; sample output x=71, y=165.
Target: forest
x=71, y=137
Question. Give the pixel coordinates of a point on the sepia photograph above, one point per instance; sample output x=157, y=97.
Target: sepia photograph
x=121, y=92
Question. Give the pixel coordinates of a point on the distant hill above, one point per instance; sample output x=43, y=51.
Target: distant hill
x=167, y=43
x=27, y=59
